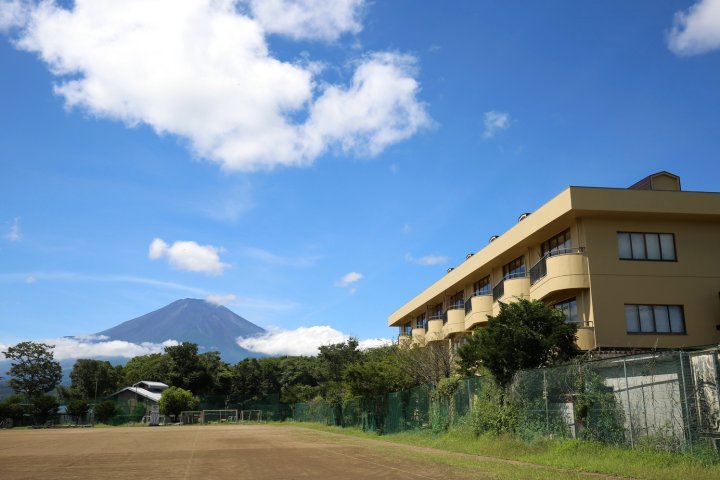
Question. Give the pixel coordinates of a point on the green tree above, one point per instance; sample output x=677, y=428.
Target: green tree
x=93, y=379
x=378, y=373
x=186, y=369
x=175, y=400
x=154, y=367
x=334, y=359
x=525, y=334
x=13, y=407
x=220, y=376
x=105, y=411
x=77, y=409
x=33, y=369
x=44, y=408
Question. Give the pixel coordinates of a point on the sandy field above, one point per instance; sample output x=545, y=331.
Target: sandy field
x=256, y=452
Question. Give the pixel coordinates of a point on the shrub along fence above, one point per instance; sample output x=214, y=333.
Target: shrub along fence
x=668, y=400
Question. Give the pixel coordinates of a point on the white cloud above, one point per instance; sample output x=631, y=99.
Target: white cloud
x=189, y=256
x=202, y=70
x=374, y=343
x=427, y=260
x=696, y=30
x=13, y=14
x=82, y=277
x=377, y=109
x=301, y=341
x=88, y=346
x=495, y=122
x=407, y=229
x=14, y=234
x=349, y=278
x=268, y=257
x=30, y=279
x=221, y=299
x=309, y=19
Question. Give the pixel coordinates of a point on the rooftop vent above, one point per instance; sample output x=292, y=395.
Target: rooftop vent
x=469, y=255
x=493, y=238
x=658, y=181
x=523, y=216
x=450, y=269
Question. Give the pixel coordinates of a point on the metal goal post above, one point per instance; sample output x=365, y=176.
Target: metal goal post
x=189, y=417
x=219, y=416
x=251, y=415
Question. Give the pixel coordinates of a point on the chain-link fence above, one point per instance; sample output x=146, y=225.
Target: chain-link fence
x=667, y=400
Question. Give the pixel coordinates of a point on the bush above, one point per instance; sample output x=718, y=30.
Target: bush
x=13, y=407
x=490, y=414
x=105, y=411
x=175, y=400
x=44, y=408
x=77, y=409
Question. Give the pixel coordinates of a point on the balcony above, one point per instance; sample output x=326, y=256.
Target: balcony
x=511, y=287
x=566, y=270
x=516, y=285
x=454, y=321
x=434, y=331
x=418, y=335
x=586, y=337
x=477, y=308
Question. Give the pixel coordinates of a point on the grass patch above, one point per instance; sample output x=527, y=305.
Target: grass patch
x=575, y=455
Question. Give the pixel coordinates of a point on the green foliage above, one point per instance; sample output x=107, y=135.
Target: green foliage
x=525, y=334
x=597, y=411
x=44, y=407
x=377, y=374
x=77, y=409
x=13, y=407
x=105, y=411
x=91, y=379
x=175, y=400
x=33, y=368
x=447, y=387
x=335, y=358
x=187, y=371
x=154, y=367
x=490, y=414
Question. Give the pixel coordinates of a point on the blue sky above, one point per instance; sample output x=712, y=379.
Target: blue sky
x=318, y=163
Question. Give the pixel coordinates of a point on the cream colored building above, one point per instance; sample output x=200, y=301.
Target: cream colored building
x=634, y=268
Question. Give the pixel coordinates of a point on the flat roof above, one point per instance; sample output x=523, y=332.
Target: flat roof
x=572, y=202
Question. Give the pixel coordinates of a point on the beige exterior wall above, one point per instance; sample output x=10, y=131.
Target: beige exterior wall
x=594, y=275
x=692, y=281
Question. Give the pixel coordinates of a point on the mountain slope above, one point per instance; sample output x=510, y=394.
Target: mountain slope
x=212, y=327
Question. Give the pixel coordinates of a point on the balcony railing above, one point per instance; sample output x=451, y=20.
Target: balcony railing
x=477, y=293
x=539, y=270
x=499, y=289
x=453, y=306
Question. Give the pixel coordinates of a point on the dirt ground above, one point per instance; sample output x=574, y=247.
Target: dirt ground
x=258, y=452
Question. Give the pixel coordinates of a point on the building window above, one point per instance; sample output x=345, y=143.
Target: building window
x=646, y=246
x=557, y=245
x=665, y=319
x=456, y=301
x=482, y=287
x=420, y=321
x=514, y=269
x=569, y=309
x=406, y=329
x=436, y=311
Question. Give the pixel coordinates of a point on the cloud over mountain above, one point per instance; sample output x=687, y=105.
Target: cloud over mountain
x=301, y=341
